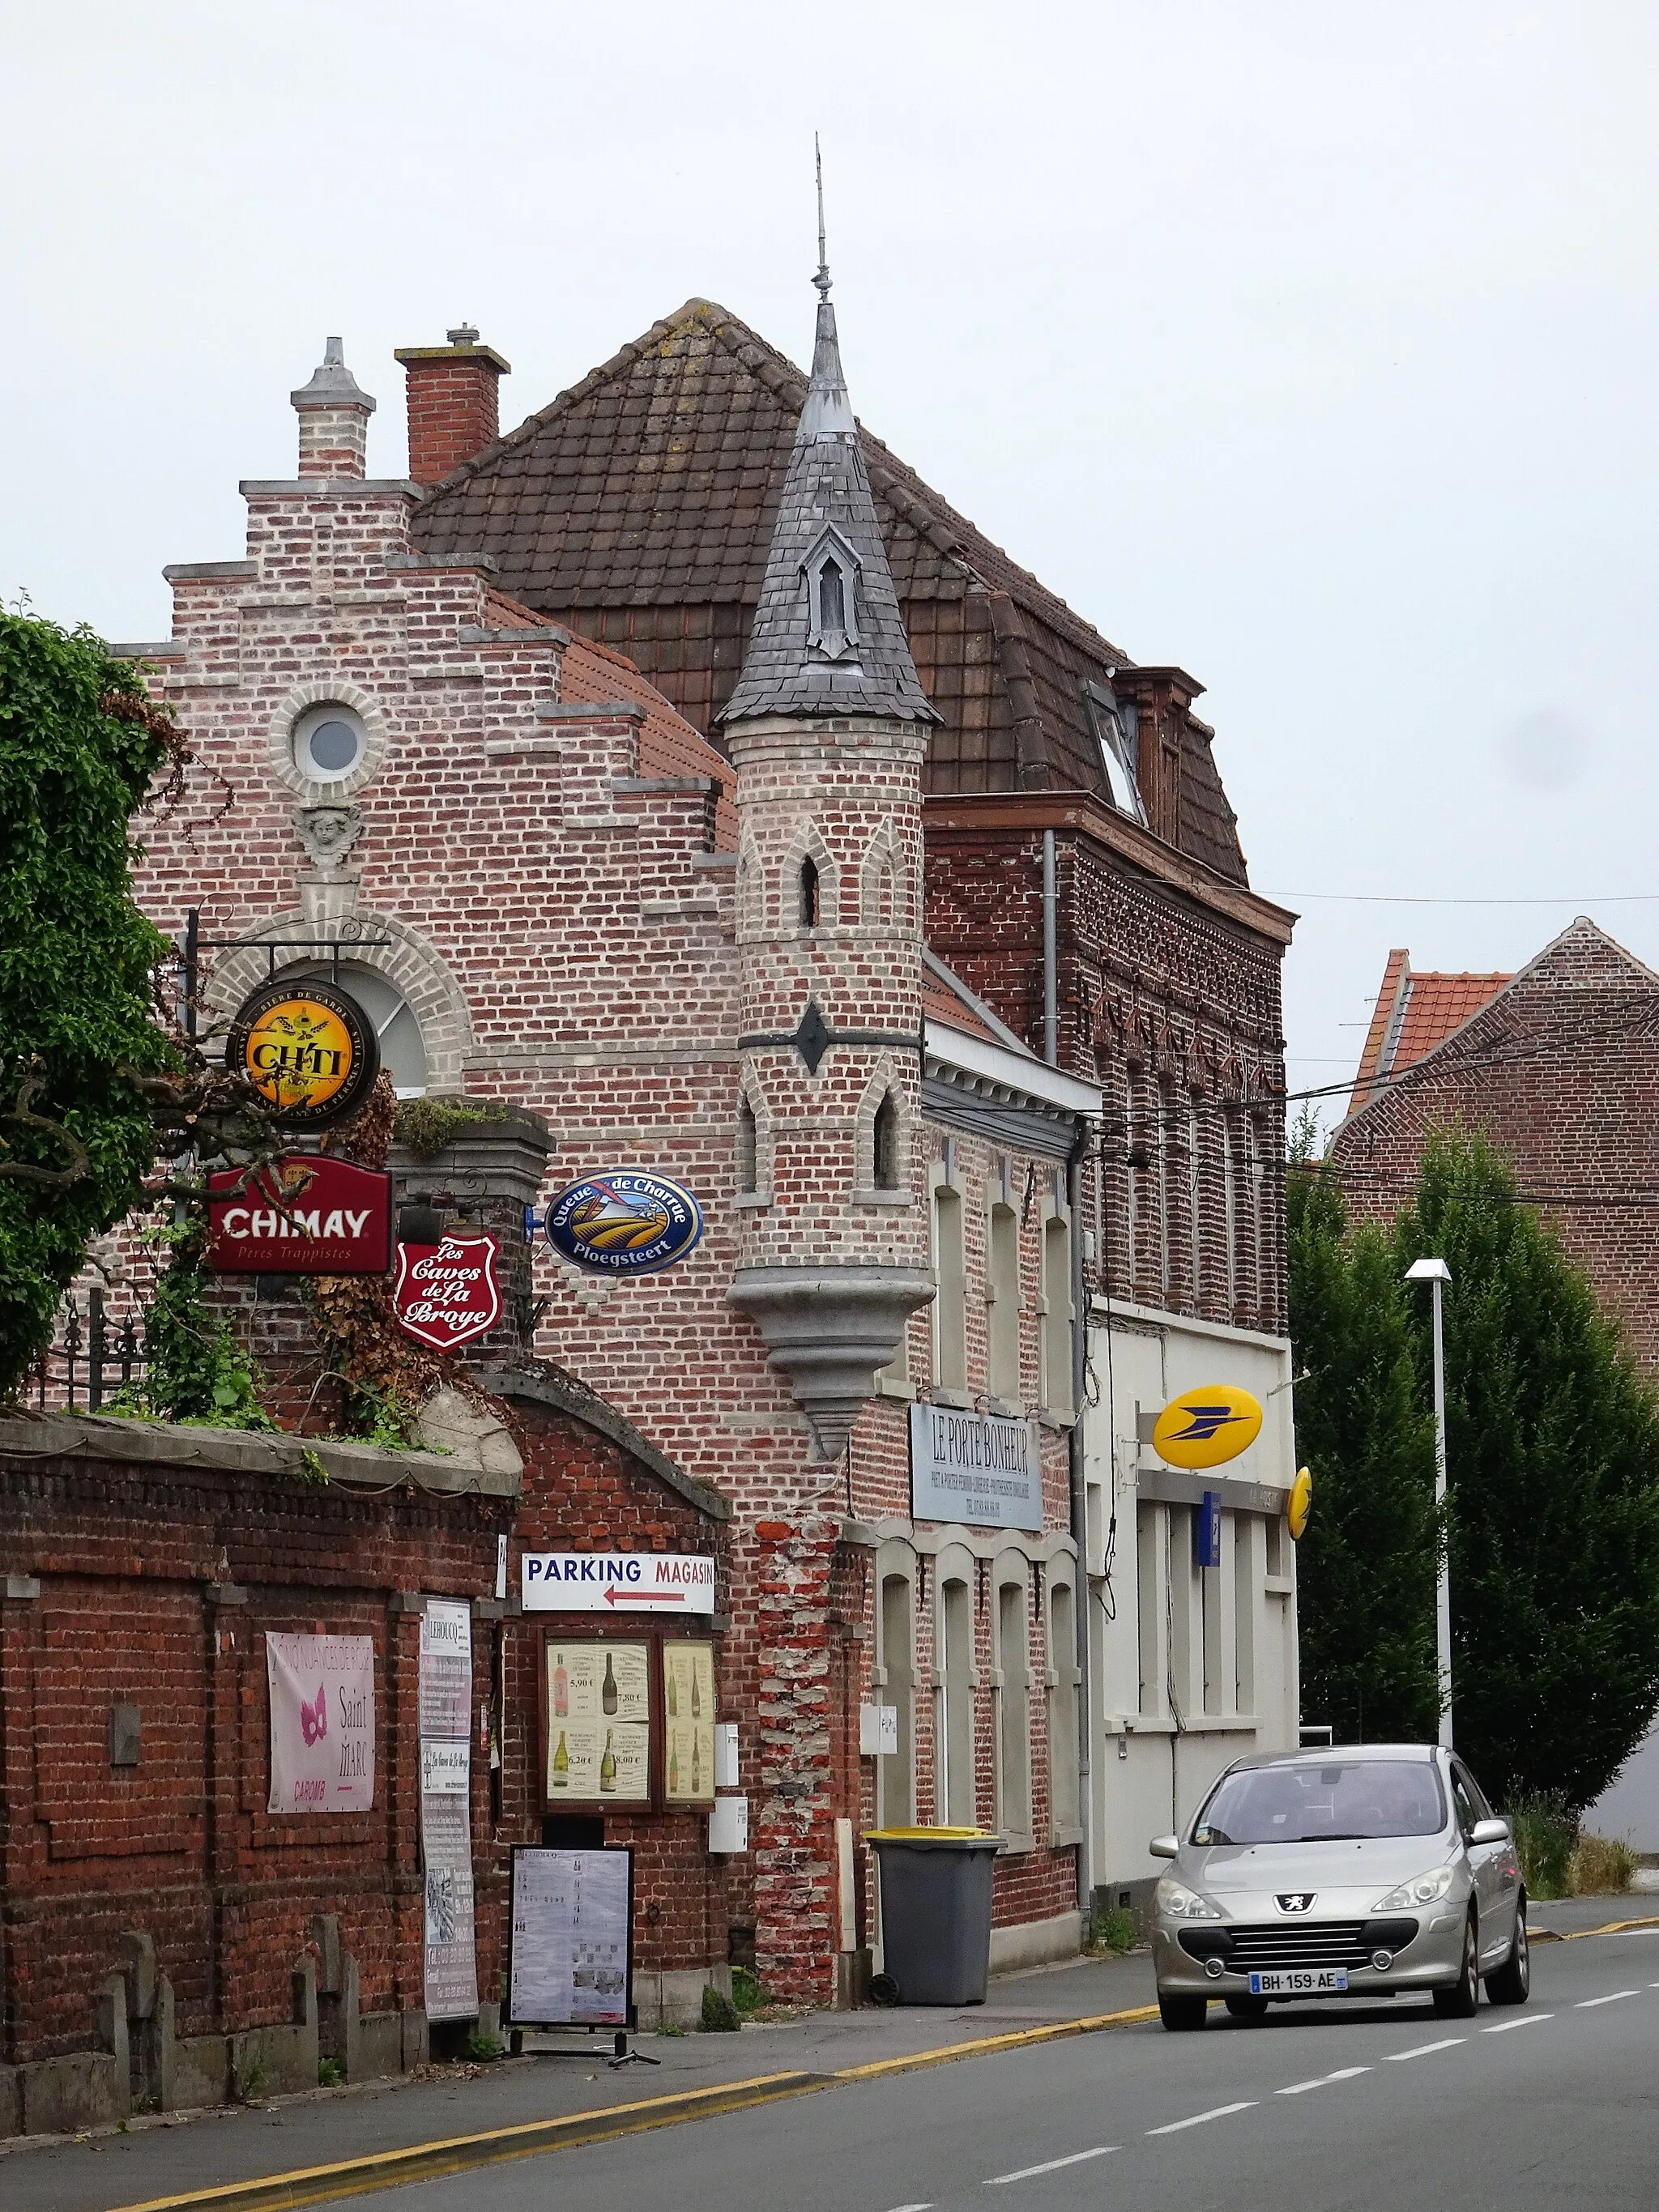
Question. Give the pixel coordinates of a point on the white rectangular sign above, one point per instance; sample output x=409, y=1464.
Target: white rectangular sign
x=983, y=1469
x=617, y=1582
x=445, y=1677
x=570, y=1958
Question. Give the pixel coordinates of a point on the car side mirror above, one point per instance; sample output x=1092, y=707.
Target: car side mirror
x=1165, y=1847
x=1490, y=1832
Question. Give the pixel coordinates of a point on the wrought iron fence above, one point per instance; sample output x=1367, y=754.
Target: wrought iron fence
x=92, y=1356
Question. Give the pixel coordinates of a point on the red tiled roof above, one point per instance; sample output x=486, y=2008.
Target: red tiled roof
x=939, y=1003
x=1413, y=1014
x=594, y=675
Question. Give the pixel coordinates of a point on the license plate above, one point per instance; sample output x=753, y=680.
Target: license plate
x=1301, y=1981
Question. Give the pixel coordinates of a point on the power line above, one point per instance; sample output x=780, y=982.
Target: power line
x=1413, y=898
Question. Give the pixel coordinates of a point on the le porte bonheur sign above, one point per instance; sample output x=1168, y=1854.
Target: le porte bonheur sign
x=983, y=1469
x=617, y=1582
x=308, y=1214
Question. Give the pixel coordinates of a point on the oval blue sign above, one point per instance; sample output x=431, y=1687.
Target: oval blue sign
x=623, y=1224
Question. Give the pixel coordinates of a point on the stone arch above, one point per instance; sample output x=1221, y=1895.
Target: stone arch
x=883, y=1089
x=884, y=892
x=806, y=845
x=751, y=1098
x=382, y=941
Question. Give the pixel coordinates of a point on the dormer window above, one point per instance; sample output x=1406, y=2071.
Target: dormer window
x=831, y=574
x=1113, y=722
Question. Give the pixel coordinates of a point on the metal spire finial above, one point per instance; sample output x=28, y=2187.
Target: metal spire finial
x=822, y=279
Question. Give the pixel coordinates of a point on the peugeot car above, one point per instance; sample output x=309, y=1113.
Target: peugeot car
x=1366, y=1871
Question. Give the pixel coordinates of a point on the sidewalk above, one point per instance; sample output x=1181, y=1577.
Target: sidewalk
x=165, y=2156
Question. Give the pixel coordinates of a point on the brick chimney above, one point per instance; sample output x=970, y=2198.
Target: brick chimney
x=454, y=402
x=333, y=415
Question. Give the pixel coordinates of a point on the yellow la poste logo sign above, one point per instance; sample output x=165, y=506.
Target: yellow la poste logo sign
x=1207, y=1427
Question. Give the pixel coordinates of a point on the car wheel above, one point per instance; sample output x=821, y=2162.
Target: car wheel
x=1511, y=1983
x=1180, y=2014
x=1463, y=1999
x=1248, y=2007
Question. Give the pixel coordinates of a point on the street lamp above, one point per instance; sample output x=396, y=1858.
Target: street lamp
x=1438, y=1273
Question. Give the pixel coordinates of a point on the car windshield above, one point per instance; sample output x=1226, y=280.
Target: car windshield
x=1347, y=1800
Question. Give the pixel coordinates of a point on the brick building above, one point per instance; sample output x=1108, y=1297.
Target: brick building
x=548, y=888
x=1084, y=877
x=1555, y=1063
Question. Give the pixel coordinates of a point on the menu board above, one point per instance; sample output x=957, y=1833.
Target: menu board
x=598, y=1723
x=687, y=1704
x=569, y=1965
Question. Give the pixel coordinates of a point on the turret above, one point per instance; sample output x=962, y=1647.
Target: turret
x=827, y=729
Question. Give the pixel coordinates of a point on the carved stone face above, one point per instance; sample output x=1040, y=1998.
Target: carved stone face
x=328, y=833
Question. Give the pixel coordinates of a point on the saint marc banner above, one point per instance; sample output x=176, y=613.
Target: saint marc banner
x=322, y=1722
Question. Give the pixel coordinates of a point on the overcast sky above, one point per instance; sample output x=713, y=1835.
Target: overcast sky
x=1311, y=347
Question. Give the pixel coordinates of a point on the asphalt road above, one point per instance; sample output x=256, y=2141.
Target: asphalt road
x=1551, y=2106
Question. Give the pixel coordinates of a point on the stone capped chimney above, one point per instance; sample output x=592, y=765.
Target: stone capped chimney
x=454, y=402
x=333, y=412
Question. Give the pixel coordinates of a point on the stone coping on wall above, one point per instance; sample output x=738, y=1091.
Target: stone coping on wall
x=543, y=1383
x=102, y=1437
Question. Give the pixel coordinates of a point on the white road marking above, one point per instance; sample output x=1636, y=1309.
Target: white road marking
x=1198, y=2119
x=1527, y=2020
x=913, y=2207
x=1450, y=2042
x=1342, y=2074
x=1585, y=2003
x=1051, y=2165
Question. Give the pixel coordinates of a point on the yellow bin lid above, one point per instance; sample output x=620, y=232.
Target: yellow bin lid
x=931, y=1836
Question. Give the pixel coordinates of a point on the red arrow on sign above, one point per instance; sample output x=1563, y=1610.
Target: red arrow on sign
x=644, y=1597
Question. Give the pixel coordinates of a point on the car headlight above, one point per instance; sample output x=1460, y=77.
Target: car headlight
x=1180, y=1903
x=1423, y=1891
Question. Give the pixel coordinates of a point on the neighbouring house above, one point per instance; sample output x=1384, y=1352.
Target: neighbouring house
x=1556, y=1064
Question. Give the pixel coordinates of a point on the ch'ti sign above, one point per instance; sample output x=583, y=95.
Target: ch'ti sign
x=307, y=1048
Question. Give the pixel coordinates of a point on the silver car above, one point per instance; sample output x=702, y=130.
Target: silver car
x=1350, y=1872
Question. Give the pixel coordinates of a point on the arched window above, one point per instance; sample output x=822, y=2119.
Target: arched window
x=951, y=1306
x=809, y=893
x=886, y=1146
x=747, y=1159
x=1014, y=1700
x=896, y=1775
x=1002, y=1299
x=832, y=598
x=403, y=1050
x=1064, y=1811
x=953, y=1783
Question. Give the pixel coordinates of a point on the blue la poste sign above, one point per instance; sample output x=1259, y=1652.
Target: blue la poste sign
x=625, y=1223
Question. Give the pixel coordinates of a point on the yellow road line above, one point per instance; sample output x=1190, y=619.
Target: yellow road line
x=1578, y=1935
x=432, y=2161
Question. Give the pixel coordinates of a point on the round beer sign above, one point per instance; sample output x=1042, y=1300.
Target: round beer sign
x=307, y=1048
x=624, y=1223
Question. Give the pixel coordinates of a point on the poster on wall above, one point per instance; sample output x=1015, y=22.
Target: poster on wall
x=981, y=1468
x=598, y=1723
x=446, y=1667
x=569, y=1963
x=687, y=1704
x=451, y=1964
x=322, y=1722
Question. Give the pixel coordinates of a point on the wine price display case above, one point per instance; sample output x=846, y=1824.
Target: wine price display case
x=627, y=1721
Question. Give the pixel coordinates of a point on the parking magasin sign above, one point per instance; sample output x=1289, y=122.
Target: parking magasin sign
x=617, y=1582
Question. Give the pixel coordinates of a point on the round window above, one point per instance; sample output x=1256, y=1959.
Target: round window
x=328, y=742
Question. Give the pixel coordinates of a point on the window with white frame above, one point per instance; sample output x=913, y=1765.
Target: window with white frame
x=1002, y=1305
x=1056, y=1314
x=954, y=1782
x=403, y=1049
x=1014, y=1700
x=896, y=1773
x=1114, y=722
x=950, y=1275
x=1064, y=1677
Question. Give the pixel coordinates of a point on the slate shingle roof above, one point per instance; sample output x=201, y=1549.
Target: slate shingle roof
x=638, y=509
x=787, y=668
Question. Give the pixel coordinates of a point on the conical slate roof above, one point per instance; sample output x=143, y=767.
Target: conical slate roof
x=789, y=669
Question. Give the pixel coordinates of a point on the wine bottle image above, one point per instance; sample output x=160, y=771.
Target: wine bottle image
x=697, y=1764
x=608, y=1693
x=561, y=1688
x=608, y=1762
x=697, y=1695
x=673, y=1770
x=562, y=1766
x=673, y=1692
